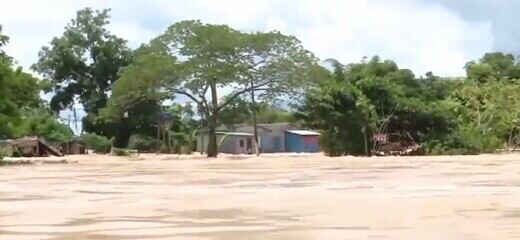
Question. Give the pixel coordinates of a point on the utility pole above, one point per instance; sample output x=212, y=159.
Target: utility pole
x=255, y=130
x=201, y=129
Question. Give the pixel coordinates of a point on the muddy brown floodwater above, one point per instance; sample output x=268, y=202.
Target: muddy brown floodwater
x=270, y=197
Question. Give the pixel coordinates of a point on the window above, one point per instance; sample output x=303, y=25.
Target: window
x=241, y=143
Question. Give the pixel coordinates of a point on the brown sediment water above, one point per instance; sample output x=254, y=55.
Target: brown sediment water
x=274, y=196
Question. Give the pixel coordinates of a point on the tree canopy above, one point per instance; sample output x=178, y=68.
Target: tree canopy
x=367, y=98
x=196, y=60
x=22, y=112
x=82, y=65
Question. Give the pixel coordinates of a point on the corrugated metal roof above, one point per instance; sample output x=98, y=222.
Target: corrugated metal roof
x=304, y=132
x=235, y=133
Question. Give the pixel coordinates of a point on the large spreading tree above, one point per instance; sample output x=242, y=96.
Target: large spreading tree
x=212, y=57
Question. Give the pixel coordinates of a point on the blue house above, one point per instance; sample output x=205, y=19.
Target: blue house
x=301, y=141
x=271, y=135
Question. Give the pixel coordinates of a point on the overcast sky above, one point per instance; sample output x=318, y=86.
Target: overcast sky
x=423, y=35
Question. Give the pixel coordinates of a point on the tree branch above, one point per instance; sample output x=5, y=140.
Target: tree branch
x=187, y=94
x=202, y=95
x=237, y=94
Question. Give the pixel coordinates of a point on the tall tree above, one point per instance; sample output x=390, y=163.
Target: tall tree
x=83, y=64
x=216, y=56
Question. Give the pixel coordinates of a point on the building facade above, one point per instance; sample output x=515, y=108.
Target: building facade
x=228, y=142
x=302, y=141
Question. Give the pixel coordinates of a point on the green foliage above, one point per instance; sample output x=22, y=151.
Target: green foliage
x=121, y=152
x=446, y=116
x=100, y=144
x=137, y=95
x=495, y=66
x=488, y=113
x=268, y=113
x=42, y=123
x=368, y=98
x=237, y=111
x=184, y=127
x=240, y=111
x=144, y=143
x=82, y=64
x=341, y=111
x=84, y=61
x=3, y=153
x=3, y=41
x=142, y=81
x=19, y=92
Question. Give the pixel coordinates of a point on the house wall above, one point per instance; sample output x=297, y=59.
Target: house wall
x=293, y=142
x=301, y=143
x=310, y=143
x=202, y=142
x=72, y=148
x=231, y=144
x=272, y=136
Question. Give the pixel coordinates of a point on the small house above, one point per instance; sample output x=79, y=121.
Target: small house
x=228, y=142
x=301, y=141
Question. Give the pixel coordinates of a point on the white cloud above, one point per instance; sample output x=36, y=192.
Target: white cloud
x=419, y=36
x=415, y=34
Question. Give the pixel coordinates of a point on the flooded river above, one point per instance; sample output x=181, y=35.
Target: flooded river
x=270, y=197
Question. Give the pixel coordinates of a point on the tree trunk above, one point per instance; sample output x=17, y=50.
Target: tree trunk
x=122, y=135
x=164, y=139
x=201, y=131
x=364, y=130
x=255, y=129
x=212, y=121
x=158, y=139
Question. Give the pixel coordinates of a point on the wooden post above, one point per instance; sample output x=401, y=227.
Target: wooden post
x=158, y=138
x=255, y=129
x=201, y=112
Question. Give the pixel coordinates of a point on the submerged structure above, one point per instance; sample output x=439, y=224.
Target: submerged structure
x=32, y=147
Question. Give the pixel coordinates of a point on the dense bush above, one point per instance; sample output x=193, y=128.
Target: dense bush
x=41, y=122
x=100, y=144
x=3, y=153
x=478, y=114
x=121, y=152
x=144, y=143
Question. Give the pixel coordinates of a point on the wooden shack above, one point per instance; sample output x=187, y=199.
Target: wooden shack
x=73, y=147
x=33, y=147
